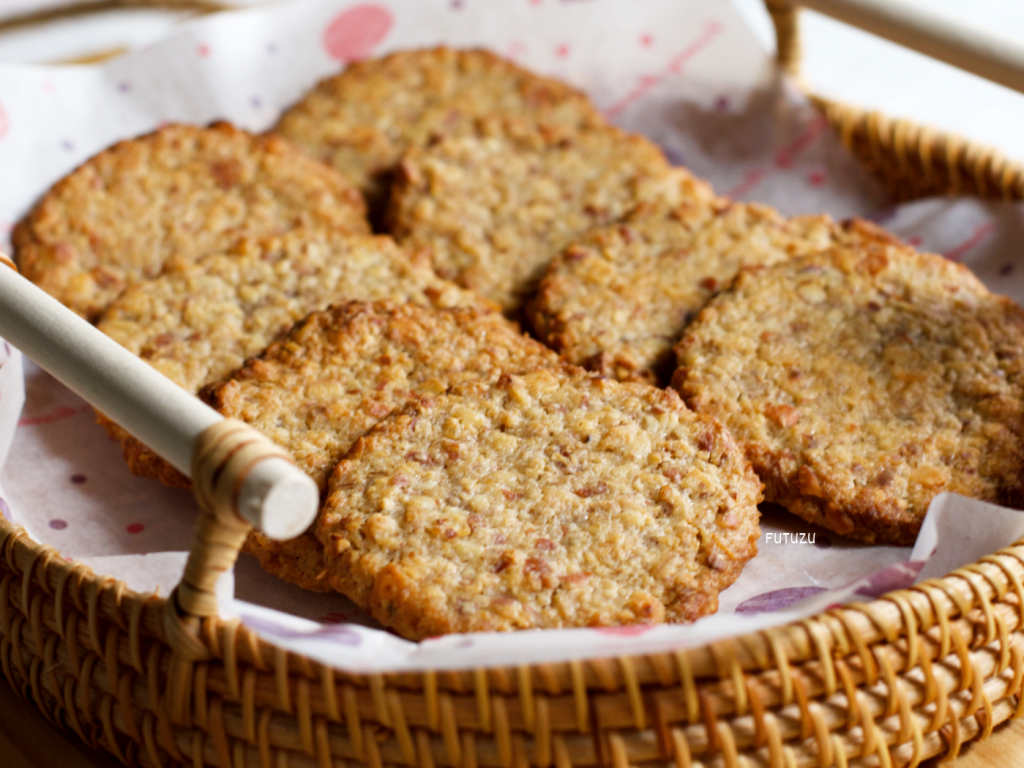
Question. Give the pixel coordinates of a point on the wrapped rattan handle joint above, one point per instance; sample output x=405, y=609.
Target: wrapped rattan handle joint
x=237, y=472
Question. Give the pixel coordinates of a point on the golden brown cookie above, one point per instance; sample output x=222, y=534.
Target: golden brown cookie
x=200, y=320
x=617, y=300
x=340, y=371
x=554, y=499
x=494, y=211
x=363, y=120
x=862, y=382
x=181, y=191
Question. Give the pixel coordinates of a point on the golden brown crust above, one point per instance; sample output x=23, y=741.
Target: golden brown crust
x=338, y=372
x=494, y=210
x=864, y=381
x=198, y=321
x=554, y=499
x=617, y=300
x=363, y=120
x=299, y=561
x=181, y=191
x=140, y=459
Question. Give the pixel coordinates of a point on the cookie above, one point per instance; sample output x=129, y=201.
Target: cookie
x=363, y=120
x=493, y=211
x=862, y=382
x=181, y=192
x=617, y=300
x=340, y=371
x=549, y=500
x=198, y=321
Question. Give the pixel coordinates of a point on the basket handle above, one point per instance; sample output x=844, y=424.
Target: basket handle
x=240, y=478
x=910, y=24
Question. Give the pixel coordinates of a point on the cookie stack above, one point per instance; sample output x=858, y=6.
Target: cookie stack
x=475, y=478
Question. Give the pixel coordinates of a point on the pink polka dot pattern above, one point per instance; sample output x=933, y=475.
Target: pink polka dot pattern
x=627, y=631
x=353, y=34
x=5, y=123
x=135, y=528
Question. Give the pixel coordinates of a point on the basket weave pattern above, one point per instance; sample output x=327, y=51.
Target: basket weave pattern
x=905, y=677
x=915, y=674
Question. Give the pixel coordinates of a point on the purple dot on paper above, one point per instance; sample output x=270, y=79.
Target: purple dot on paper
x=271, y=48
x=883, y=215
x=721, y=103
x=67, y=145
x=333, y=617
x=456, y=5
x=78, y=479
x=672, y=156
x=822, y=542
x=467, y=643
x=888, y=579
x=1005, y=270
x=256, y=102
x=5, y=511
x=124, y=87
x=58, y=525
x=777, y=599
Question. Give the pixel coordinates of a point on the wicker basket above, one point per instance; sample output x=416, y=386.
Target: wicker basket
x=164, y=682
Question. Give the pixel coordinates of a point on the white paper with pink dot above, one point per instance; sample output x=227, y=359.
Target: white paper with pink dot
x=690, y=75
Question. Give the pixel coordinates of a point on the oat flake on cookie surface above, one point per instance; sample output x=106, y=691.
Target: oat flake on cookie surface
x=864, y=381
x=198, y=321
x=364, y=119
x=340, y=371
x=554, y=499
x=181, y=191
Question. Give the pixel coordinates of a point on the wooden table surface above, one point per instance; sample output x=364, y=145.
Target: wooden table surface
x=28, y=740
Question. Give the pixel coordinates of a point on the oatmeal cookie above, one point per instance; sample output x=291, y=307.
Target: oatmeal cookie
x=340, y=371
x=549, y=500
x=180, y=192
x=617, y=300
x=363, y=120
x=494, y=210
x=200, y=320
x=862, y=382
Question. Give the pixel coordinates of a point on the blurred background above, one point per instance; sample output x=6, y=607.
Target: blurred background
x=840, y=63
